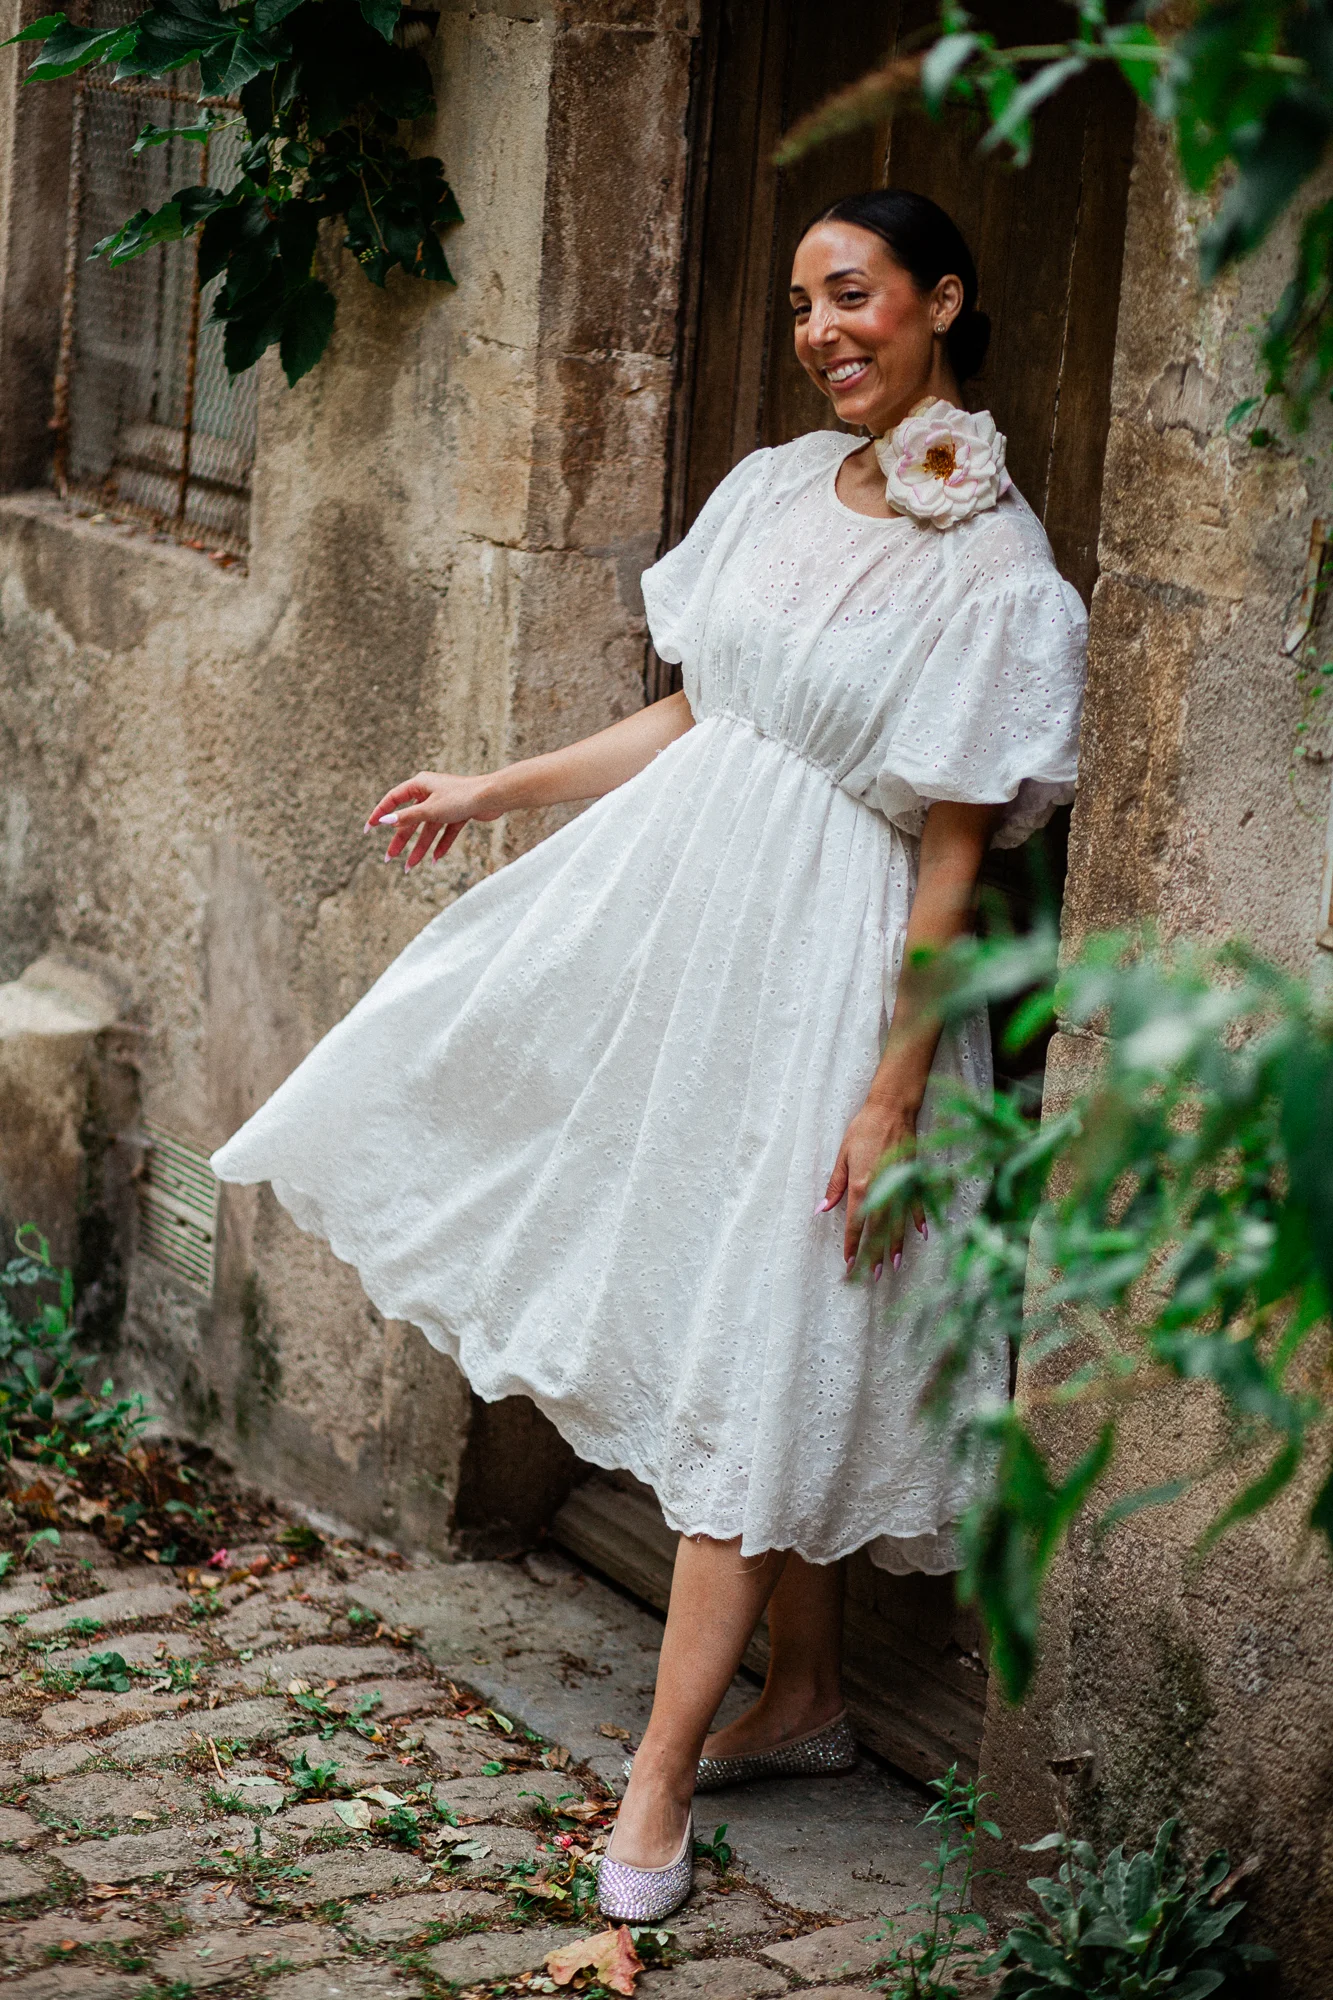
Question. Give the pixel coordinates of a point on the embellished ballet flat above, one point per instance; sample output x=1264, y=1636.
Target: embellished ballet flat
x=825, y=1752
x=646, y=1895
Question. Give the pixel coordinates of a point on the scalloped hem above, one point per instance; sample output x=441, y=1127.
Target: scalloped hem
x=902, y=1548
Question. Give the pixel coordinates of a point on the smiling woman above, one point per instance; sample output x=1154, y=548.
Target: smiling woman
x=644, y=1075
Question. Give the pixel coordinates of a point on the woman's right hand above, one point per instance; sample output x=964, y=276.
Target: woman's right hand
x=434, y=807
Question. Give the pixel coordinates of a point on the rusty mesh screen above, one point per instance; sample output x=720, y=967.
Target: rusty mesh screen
x=147, y=417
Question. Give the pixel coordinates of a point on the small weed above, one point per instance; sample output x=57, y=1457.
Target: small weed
x=359, y=1619
x=920, y=1967
x=231, y=1802
x=301, y=1537
x=401, y=1826
x=101, y=1673
x=715, y=1850
x=313, y=1780
x=84, y=1628
x=182, y=1675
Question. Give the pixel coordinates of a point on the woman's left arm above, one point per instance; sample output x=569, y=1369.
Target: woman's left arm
x=953, y=845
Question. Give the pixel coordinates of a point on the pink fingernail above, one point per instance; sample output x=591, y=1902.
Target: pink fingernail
x=366, y=827
x=897, y=1259
x=925, y=1232
x=878, y=1272
x=850, y=1262
x=389, y=819
x=824, y=1206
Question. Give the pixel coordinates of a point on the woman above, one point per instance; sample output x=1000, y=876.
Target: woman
x=590, y=1130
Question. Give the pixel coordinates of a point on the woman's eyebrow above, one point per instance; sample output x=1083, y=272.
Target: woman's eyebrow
x=831, y=278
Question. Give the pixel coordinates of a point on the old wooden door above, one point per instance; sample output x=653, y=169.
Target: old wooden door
x=1047, y=242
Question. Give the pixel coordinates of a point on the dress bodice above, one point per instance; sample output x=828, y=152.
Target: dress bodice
x=907, y=663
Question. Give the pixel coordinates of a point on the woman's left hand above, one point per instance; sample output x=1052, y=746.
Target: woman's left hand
x=879, y=1127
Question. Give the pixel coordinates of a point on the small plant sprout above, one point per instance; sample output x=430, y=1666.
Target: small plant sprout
x=919, y=1967
x=715, y=1850
x=313, y=1780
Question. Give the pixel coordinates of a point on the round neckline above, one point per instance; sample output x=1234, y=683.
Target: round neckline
x=882, y=520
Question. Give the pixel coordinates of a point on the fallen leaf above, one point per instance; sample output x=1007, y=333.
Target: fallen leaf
x=354, y=1813
x=466, y=1850
x=614, y=1731
x=381, y=1795
x=610, y=1954
x=150, y=1817
x=105, y=1889
x=298, y=1687
x=557, y=1759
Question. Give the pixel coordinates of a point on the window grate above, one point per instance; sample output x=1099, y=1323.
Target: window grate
x=146, y=417
x=178, y=1205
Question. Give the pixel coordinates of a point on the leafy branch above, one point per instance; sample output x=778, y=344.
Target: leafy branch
x=1172, y=1225
x=1246, y=91
x=324, y=87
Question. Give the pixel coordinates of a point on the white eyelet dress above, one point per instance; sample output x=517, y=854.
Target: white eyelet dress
x=578, y=1130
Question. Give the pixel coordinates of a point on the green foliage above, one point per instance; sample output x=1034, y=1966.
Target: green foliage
x=313, y=1780
x=324, y=88
x=924, y=1966
x=44, y=1398
x=401, y=1826
x=1246, y=90
x=1131, y=1928
x=101, y=1673
x=1172, y=1224
x=715, y=1850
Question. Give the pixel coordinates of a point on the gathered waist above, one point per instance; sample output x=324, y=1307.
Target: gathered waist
x=731, y=719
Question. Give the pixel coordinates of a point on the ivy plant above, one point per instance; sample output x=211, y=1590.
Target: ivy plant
x=1245, y=87
x=324, y=89
x=1171, y=1225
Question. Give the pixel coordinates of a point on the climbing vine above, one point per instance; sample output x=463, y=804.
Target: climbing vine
x=324, y=88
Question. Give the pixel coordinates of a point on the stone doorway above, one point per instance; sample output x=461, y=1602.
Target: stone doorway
x=1048, y=243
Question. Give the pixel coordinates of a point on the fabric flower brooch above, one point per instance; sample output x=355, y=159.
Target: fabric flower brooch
x=942, y=465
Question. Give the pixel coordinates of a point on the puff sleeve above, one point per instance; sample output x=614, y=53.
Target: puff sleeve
x=678, y=590
x=993, y=715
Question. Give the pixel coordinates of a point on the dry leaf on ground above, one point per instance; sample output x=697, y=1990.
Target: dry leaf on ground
x=610, y=1954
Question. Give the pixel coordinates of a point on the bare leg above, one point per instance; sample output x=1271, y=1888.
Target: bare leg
x=717, y=1598
x=803, y=1689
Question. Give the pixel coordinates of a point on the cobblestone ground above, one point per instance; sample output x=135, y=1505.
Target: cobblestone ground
x=184, y=1833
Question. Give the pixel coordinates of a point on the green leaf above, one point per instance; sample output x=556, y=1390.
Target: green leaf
x=382, y=16
x=307, y=324
x=70, y=48
x=268, y=13
x=1257, y=1494
x=1140, y=74
x=942, y=65
x=1239, y=412
x=37, y=31
x=1010, y=127
x=1148, y=1496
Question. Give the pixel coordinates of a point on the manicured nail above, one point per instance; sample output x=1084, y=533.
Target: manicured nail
x=824, y=1206
x=897, y=1259
x=878, y=1272
x=366, y=827
x=925, y=1232
x=389, y=819
x=850, y=1262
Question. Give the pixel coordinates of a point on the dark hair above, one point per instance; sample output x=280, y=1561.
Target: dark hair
x=929, y=245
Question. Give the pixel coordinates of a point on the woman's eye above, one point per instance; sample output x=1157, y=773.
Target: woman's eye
x=800, y=312
x=851, y=298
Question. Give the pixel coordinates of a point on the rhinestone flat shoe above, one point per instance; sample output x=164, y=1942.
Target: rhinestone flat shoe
x=646, y=1895
x=825, y=1752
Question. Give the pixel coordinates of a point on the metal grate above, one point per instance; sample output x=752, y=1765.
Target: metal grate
x=146, y=416
x=178, y=1205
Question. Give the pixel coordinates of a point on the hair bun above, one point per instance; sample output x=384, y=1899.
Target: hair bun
x=967, y=341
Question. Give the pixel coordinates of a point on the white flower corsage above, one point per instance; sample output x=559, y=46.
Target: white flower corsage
x=942, y=465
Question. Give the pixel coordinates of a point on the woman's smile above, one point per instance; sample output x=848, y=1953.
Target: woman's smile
x=839, y=374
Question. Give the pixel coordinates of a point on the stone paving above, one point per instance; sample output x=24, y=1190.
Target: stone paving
x=187, y=1836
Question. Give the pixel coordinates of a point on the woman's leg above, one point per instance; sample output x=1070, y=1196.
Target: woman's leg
x=717, y=1599
x=803, y=1689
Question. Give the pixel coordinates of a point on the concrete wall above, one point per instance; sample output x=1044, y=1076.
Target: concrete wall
x=1170, y=1685
x=450, y=516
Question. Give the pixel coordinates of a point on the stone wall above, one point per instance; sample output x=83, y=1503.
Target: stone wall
x=450, y=516
x=1170, y=1684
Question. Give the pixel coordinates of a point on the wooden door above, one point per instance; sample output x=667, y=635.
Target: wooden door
x=1048, y=243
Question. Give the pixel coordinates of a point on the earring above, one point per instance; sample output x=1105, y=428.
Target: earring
x=940, y=326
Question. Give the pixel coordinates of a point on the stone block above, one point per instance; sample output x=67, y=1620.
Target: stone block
x=832, y=1953
x=75, y=1982
x=138, y=1857
x=407, y=1916
x=18, y=1881
x=16, y=1825
x=59, y=1084
x=482, y=1956
x=713, y=1979
x=459, y=1750
x=397, y=1698
x=511, y=1797
x=260, y=1622
x=352, y=1981
x=113, y=1607
x=710, y=1920
x=340, y=1876
x=59, y=1927
x=90, y=1711
x=218, y=1958
x=101, y=1799
x=318, y=1664
x=507, y=1845
x=243, y=1721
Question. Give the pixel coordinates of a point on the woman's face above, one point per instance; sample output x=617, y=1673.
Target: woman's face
x=865, y=335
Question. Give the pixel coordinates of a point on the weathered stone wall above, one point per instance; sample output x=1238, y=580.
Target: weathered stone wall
x=1170, y=1684
x=450, y=516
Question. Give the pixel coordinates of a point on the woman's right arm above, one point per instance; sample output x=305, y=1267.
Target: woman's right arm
x=435, y=806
